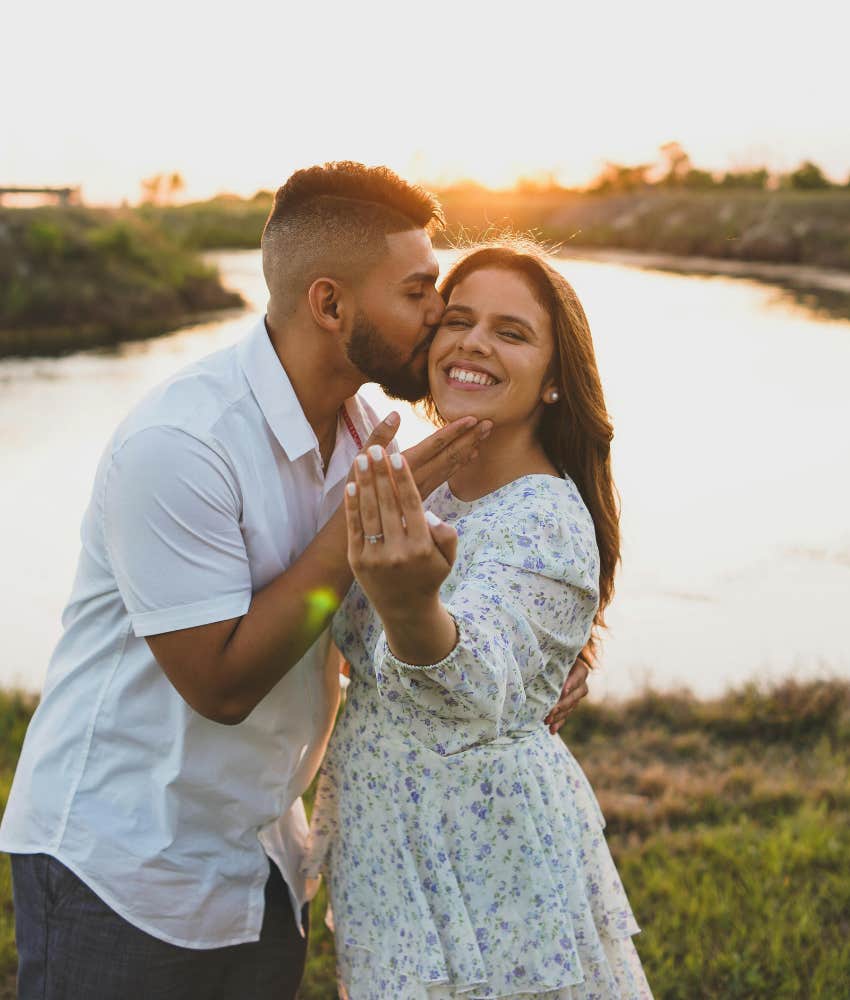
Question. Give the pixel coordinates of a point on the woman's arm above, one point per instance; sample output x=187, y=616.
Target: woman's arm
x=456, y=676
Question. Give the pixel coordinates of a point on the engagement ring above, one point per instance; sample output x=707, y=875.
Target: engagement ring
x=374, y=539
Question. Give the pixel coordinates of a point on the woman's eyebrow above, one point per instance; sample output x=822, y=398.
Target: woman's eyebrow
x=499, y=317
x=507, y=318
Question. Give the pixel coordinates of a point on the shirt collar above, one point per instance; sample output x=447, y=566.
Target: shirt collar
x=275, y=395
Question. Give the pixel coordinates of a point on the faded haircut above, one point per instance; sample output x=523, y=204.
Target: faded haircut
x=333, y=220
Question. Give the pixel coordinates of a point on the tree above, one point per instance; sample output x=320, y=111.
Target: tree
x=677, y=162
x=698, y=180
x=753, y=179
x=616, y=177
x=809, y=177
x=176, y=184
x=151, y=188
x=162, y=188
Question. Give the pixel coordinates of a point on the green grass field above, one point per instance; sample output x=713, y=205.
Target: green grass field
x=729, y=820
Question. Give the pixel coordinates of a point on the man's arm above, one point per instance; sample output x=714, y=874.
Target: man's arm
x=224, y=669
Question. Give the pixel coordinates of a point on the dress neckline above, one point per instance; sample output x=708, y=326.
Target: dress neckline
x=499, y=489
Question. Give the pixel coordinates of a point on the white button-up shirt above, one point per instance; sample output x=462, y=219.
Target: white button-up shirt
x=208, y=490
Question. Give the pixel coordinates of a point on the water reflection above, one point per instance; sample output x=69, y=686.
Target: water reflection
x=732, y=454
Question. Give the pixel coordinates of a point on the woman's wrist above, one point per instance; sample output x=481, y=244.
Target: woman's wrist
x=421, y=635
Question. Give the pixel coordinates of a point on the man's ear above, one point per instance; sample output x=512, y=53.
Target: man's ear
x=325, y=299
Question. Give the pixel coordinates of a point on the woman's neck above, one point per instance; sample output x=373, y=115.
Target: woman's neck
x=507, y=454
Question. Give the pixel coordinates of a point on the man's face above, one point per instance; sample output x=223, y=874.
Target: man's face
x=398, y=311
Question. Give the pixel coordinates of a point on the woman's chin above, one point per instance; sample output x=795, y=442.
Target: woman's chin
x=450, y=407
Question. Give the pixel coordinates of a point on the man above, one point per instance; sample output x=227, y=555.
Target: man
x=155, y=820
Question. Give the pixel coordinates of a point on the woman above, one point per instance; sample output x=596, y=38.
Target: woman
x=462, y=843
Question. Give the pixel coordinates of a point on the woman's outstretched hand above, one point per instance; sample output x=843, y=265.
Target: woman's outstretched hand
x=400, y=556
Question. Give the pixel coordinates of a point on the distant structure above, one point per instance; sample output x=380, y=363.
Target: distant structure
x=63, y=195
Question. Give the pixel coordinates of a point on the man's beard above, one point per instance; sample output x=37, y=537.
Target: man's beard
x=380, y=362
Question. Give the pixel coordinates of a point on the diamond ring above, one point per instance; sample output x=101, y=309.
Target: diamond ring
x=374, y=539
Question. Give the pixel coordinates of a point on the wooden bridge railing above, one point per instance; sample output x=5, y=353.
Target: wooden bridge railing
x=64, y=195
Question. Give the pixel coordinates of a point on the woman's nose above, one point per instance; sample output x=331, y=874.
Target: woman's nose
x=474, y=338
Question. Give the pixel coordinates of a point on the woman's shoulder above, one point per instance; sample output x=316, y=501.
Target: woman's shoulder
x=536, y=522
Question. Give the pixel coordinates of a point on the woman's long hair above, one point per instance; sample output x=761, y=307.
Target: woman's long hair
x=575, y=431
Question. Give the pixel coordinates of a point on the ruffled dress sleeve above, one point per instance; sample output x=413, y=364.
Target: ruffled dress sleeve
x=523, y=593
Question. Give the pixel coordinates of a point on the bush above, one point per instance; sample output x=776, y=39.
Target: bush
x=809, y=177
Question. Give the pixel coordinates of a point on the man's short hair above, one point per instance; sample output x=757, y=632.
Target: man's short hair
x=333, y=220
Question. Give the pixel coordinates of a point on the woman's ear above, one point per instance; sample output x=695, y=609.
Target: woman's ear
x=325, y=300
x=551, y=393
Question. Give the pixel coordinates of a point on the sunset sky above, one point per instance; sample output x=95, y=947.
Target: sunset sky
x=236, y=96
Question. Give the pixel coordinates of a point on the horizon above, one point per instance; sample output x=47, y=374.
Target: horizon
x=543, y=180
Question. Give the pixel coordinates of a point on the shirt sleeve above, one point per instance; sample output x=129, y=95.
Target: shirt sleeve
x=516, y=617
x=171, y=524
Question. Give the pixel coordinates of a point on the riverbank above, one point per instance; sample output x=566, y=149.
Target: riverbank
x=775, y=227
x=795, y=240
x=728, y=818
x=822, y=290
x=778, y=227
x=73, y=278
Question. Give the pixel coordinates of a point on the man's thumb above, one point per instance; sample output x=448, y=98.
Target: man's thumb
x=385, y=431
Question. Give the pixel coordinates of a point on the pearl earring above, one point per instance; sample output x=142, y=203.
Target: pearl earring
x=553, y=396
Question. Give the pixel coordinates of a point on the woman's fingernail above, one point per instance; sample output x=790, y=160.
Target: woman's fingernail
x=362, y=463
x=393, y=419
x=396, y=461
x=376, y=452
x=432, y=518
x=351, y=489
x=486, y=431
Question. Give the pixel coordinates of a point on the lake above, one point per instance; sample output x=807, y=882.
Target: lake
x=732, y=455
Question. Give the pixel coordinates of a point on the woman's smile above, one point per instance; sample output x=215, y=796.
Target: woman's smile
x=467, y=377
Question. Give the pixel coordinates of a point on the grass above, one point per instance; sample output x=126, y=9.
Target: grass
x=789, y=227
x=76, y=277
x=223, y=222
x=729, y=820
x=792, y=227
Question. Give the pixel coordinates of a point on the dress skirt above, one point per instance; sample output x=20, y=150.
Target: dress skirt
x=483, y=874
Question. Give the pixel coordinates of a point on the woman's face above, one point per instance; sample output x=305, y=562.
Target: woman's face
x=492, y=352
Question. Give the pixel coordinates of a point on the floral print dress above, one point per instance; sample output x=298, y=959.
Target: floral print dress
x=462, y=843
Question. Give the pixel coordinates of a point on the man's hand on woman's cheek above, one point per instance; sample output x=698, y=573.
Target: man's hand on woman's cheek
x=440, y=455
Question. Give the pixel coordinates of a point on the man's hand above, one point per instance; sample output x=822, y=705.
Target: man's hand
x=575, y=688
x=435, y=459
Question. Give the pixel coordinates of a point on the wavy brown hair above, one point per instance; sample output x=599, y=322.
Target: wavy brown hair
x=576, y=431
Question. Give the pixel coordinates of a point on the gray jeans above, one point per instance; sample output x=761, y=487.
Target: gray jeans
x=72, y=946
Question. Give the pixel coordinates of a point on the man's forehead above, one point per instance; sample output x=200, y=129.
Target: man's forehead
x=411, y=255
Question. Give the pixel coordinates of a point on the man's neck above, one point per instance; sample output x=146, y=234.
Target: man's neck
x=319, y=384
